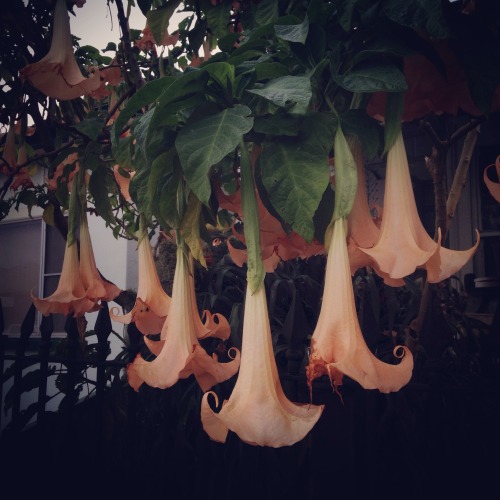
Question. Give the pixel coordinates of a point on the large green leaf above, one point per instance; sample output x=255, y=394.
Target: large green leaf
x=367, y=129
x=373, y=77
x=217, y=17
x=420, y=15
x=90, y=127
x=203, y=143
x=293, y=92
x=293, y=32
x=99, y=183
x=143, y=97
x=295, y=175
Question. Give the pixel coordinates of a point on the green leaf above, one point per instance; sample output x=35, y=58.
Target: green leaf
x=144, y=96
x=277, y=124
x=91, y=128
x=91, y=156
x=269, y=70
x=295, y=176
x=367, y=129
x=373, y=77
x=319, y=129
x=218, y=17
x=293, y=92
x=267, y=12
x=223, y=74
x=346, y=177
x=203, y=143
x=98, y=188
x=159, y=19
x=255, y=266
x=420, y=15
x=294, y=32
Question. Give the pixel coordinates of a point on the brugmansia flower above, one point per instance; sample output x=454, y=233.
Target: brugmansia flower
x=337, y=344
x=96, y=287
x=493, y=187
x=152, y=303
x=403, y=243
x=57, y=74
x=258, y=410
x=81, y=288
x=361, y=228
x=181, y=354
x=70, y=296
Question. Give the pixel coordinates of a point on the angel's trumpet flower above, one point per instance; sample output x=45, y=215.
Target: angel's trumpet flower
x=96, y=287
x=258, y=410
x=57, y=74
x=403, y=243
x=207, y=325
x=152, y=303
x=361, y=228
x=493, y=187
x=337, y=344
x=181, y=354
x=70, y=296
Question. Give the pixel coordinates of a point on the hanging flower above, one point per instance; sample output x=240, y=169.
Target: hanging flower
x=361, y=227
x=181, y=354
x=57, y=74
x=258, y=410
x=70, y=296
x=152, y=303
x=403, y=243
x=337, y=344
x=96, y=287
x=493, y=187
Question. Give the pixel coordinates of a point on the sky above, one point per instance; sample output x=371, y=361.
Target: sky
x=96, y=26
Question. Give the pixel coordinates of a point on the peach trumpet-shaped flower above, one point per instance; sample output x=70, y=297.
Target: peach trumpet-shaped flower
x=181, y=354
x=337, y=344
x=57, y=74
x=493, y=187
x=152, y=303
x=258, y=410
x=403, y=243
x=207, y=325
x=361, y=227
x=70, y=296
x=96, y=287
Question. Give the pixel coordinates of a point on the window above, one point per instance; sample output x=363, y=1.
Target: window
x=31, y=256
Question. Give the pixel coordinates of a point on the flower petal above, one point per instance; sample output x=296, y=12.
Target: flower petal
x=57, y=74
x=493, y=187
x=258, y=410
x=179, y=356
x=403, y=243
x=337, y=345
x=69, y=296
